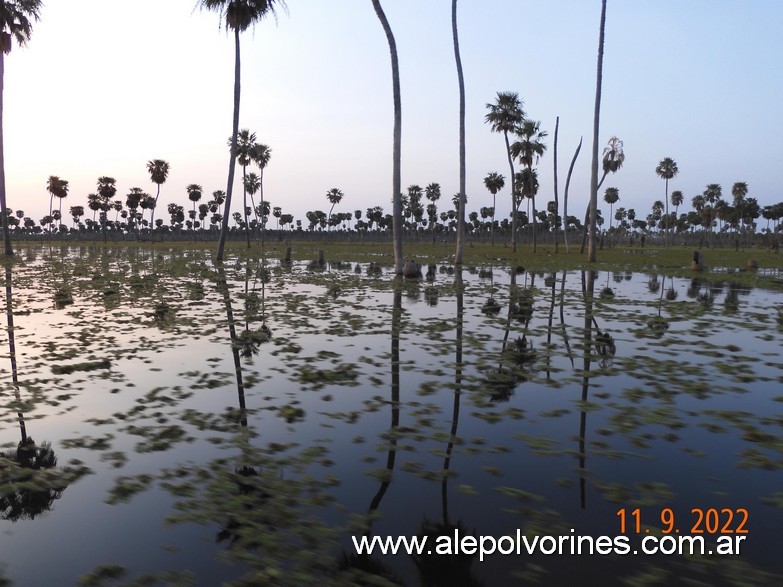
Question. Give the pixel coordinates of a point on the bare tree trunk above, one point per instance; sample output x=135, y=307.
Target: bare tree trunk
x=396, y=154
x=565, y=194
x=460, y=77
x=591, y=244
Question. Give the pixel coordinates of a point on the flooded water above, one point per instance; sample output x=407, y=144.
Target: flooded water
x=163, y=419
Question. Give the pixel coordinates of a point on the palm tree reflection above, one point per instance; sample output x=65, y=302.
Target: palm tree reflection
x=436, y=569
x=22, y=495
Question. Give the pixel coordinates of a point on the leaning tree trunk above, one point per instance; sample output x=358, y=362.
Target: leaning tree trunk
x=591, y=244
x=6, y=232
x=565, y=194
x=461, y=207
x=396, y=151
x=233, y=159
x=513, y=196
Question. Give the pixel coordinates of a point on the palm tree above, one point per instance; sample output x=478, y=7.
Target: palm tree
x=432, y=193
x=613, y=158
x=159, y=171
x=611, y=197
x=529, y=148
x=666, y=170
x=252, y=183
x=245, y=141
x=106, y=191
x=396, y=142
x=261, y=154
x=738, y=192
x=494, y=182
x=461, y=80
x=194, y=195
x=238, y=15
x=57, y=188
x=505, y=115
x=677, y=198
x=591, y=257
x=16, y=18
x=334, y=196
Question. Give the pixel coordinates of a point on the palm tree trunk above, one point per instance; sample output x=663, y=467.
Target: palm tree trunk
x=557, y=204
x=233, y=159
x=244, y=204
x=596, y=120
x=460, y=77
x=513, y=196
x=397, y=142
x=6, y=232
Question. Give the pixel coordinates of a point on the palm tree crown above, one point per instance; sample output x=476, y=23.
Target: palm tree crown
x=240, y=14
x=667, y=168
x=494, y=182
x=506, y=114
x=16, y=17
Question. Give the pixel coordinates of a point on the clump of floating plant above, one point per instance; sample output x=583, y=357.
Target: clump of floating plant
x=342, y=374
x=85, y=366
x=491, y=307
x=291, y=413
x=62, y=298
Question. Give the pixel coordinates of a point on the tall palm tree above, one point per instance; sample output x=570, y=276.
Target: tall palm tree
x=159, y=171
x=16, y=18
x=461, y=80
x=505, y=115
x=396, y=142
x=591, y=257
x=194, y=195
x=245, y=141
x=238, y=16
x=334, y=195
x=261, y=154
x=57, y=188
x=529, y=148
x=611, y=197
x=666, y=170
x=494, y=182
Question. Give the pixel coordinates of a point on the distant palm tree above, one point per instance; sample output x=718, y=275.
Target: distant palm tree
x=57, y=188
x=238, y=15
x=159, y=171
x=611, y=197
x=194, y=195
x=261, y=154
x=396, y=142
x=494, y=182
x=16, y=18
x=106, y=191
x=529, y=148
x=505, y=115
x=252, y=185
x=334, y=195
x=245, y=141
x=613, y=158
x=666, y=170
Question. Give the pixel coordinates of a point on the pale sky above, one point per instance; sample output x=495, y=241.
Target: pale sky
x=106, y=85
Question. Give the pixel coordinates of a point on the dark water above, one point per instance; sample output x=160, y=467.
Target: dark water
x=208, y=425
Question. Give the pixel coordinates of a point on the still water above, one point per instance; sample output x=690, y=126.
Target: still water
x=164, y=419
